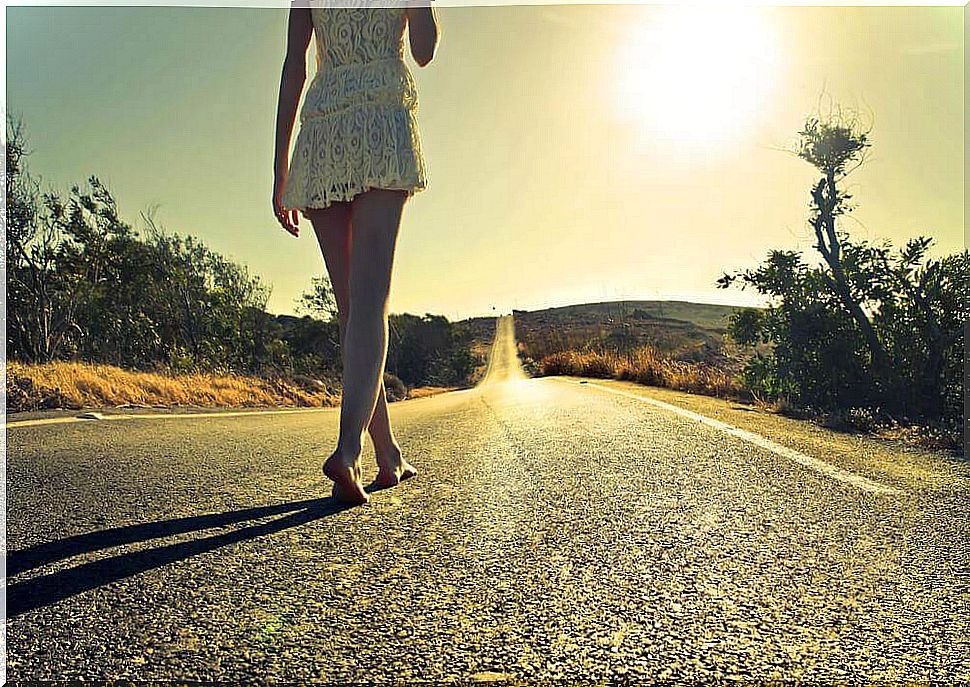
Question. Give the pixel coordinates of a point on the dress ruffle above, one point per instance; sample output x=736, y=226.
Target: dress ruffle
x=347, y=152
x=337, y=88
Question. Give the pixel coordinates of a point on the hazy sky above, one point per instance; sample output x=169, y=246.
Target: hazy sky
x=575, y=153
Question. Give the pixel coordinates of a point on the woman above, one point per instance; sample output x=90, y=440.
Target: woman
x=356, y=161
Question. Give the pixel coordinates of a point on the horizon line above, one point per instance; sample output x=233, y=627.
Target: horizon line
x=504, y=312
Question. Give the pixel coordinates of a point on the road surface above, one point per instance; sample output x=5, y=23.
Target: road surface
x=556, y=530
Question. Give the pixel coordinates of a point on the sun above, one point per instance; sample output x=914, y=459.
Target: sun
x=697, y=74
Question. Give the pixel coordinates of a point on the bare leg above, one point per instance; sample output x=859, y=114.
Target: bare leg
x=332, y=227
x=333, y=230
x=392, y=468
x=375, y=220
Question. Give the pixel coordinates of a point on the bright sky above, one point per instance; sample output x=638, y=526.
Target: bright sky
x=576, y=153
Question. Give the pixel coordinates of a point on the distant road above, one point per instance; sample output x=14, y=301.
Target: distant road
x=556, y=530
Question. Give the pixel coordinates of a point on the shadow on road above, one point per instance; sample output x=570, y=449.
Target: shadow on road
x=48, y=589
x=44, y=590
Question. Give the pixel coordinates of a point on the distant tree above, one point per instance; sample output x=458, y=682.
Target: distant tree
x=44, y=287
x=428, y=350
x=831, y=146
x=870, y=325
x=315, y=345
x=319, y=300
x=84, y=284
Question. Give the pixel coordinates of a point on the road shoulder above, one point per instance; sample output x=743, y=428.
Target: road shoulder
x=905, y=466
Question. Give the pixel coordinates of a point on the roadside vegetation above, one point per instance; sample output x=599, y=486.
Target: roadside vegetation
x=622, y=340
x=66, y=384
x=867, y=335
x=100, y=313
x=857, y=335
x=645, y=366
x=860, y=336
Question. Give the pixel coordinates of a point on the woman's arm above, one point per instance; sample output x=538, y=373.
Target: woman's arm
x=423, y=33
x=291, y=86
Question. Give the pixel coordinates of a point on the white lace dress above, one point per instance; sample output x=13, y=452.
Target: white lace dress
x=357, y=124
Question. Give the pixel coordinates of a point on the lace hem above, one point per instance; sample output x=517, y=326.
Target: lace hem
x=347, y=192
x=345, y=153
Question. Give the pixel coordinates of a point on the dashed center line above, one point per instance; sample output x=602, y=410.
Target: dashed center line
x=827, y=469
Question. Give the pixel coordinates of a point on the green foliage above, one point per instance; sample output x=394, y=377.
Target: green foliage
x=818, y=356
x=319, y=301
x=832, y=143
x=870, y=326
x=394, y=388
x=83, y=284
x=429, y=350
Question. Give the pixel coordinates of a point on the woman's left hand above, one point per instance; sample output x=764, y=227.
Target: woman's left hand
x=288, y=219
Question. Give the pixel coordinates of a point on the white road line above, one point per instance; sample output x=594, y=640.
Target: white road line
x=159, y=416
x=821, y=466
x=166, y=416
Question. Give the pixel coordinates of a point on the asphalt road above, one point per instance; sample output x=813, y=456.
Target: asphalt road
x=555, y=530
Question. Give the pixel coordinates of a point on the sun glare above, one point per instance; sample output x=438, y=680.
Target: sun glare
x=697, y=74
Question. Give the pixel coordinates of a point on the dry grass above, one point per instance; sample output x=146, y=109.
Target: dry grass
x=645, y=366
x=81, y=385
x=424, y=391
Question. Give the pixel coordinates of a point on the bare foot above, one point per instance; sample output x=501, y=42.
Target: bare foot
x=346, y=476
x=392, y=469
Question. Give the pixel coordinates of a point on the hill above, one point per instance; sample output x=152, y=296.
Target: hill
x=687, y=331
x=704, y=315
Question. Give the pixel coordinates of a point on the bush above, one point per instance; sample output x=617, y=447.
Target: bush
x=645, y=366
x=394, y=388
x=84, y=285
x=871, y=330
x=429, y=350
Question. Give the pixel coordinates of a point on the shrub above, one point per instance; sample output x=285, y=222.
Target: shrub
x=394, y=387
